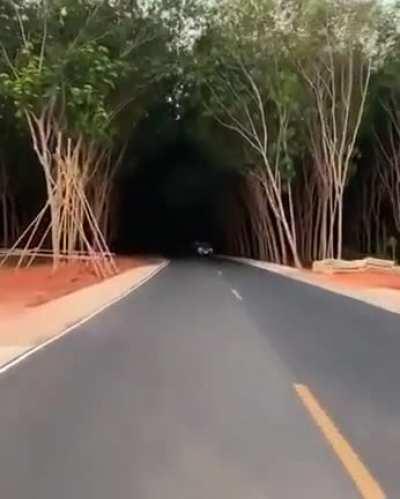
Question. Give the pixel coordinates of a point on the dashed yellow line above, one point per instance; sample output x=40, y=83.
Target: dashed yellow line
x=365, y=482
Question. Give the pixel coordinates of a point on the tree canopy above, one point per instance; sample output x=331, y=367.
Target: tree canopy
x=302, y=95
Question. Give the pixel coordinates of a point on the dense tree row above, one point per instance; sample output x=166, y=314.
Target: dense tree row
x=303, y=96
x=74, y=76
x=300, y=82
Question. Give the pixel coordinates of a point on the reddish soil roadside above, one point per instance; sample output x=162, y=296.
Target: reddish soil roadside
x=367, y=279
x=38, y=284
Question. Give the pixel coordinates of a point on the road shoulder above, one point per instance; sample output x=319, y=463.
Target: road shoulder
x=28, y=331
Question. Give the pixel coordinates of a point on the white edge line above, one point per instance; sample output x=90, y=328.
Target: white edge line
x=31, y=351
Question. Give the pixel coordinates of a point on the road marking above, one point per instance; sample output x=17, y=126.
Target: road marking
x=236, y=294
x=365, y=482
x=17, y=360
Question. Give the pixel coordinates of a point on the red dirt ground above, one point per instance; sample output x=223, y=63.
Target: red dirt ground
x=368, y=279
x=38, y=284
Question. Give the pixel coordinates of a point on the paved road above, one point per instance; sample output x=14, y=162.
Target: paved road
x=184, y=390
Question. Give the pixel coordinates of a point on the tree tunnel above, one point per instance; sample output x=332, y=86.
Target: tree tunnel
x=172, y=191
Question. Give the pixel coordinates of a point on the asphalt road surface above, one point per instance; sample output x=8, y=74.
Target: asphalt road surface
x=196, y=386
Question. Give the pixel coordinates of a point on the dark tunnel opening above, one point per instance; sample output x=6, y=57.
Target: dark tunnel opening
x=174, y=191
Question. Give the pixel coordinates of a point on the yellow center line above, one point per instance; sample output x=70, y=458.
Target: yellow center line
x=365, y=482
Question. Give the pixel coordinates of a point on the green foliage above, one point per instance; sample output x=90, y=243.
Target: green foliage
x=280, y=45
x=92, y=75
x=28, y=86
x=94, y=59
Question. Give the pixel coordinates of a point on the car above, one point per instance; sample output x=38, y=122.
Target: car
x=203, y=248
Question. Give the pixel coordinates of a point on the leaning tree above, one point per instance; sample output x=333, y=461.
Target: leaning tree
x=251, y=90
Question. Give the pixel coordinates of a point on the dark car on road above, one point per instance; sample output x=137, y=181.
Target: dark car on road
x=203, y=248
